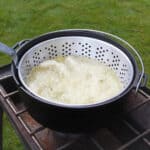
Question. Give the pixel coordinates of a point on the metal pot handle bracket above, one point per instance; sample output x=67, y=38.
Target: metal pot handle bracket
x=21, y=43
x=142, y=78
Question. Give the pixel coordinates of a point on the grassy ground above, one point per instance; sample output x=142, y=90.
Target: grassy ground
x=129, y=19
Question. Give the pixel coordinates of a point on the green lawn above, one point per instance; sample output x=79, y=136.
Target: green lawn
x=21, y=19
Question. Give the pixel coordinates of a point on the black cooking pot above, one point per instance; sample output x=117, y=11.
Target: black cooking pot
x=73, y=118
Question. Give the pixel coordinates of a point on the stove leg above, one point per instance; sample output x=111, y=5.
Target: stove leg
x=1, y=125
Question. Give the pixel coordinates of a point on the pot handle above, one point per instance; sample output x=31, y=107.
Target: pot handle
x=9, y=51
x=12, y=51
x=115, y=37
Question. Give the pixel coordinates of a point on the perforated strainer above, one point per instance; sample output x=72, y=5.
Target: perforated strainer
x=88, y=43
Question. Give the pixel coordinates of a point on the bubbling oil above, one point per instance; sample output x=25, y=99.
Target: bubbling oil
x=74, y=80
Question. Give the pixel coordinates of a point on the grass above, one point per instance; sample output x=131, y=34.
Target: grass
x=23, y=19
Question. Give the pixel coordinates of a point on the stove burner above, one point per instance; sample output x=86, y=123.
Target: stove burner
x=128, y=130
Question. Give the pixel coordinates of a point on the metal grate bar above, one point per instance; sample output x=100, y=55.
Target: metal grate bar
x=5, y=77
x=123, y=147
x=11, y=105
x=25, y=126
x=9, y=94
x=138, y=106
x=37, y=143
x=63, y=147
x=37, y=130
x=136, y=131
x=21, y=111
x=145, y=94
x=96, y=143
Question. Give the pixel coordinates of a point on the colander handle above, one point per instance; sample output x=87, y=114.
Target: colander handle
x=9, y=51
x=109, y=35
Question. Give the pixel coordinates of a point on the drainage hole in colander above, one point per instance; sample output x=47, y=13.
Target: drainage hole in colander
x=122, y=69
x=124, y=65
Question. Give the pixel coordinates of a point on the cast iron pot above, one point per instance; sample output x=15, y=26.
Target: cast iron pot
x=104, y=47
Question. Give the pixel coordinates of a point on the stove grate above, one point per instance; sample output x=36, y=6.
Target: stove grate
x=129, y=130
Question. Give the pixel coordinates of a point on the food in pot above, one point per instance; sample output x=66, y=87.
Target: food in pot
x=74, y=80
